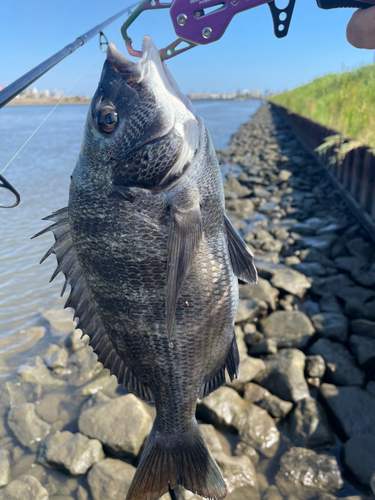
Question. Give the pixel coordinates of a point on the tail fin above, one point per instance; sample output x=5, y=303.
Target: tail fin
x=185, y=461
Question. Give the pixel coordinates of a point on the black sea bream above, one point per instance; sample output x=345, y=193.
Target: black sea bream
x=153, y=262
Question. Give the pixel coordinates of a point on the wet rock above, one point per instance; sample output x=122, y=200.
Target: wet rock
x=60, y=320
x=211, y=437
x=100, y=382
x=249, y=309
x=340, y=366
x=20, y=342
x=363, y=327
x=315, y=366
x=121, y=436
x=252, y=337
x=243, y=448
x=330, y=304
x=75, y=342
x=29, y=429
x=372, y=483
x=239, y=475
x=241, y=208
x=267, y=346
x=110, y=479
x=275, y=406
x=309, y=426
x=351, y=409
x=342, y=287
x=234, y=189
x=87, y=366
x=75, y=453
x=226, y=408
x=303, y=474
x=284, y=375
x=4, y=468
x=370, y=387
x=240, y=339
x=82, y=494
x=332, y=326
x=290, y=281
x=181, y=494
x=327, y=496
x=249, y=369
x=25, y=488
x=261, y=291
x=359, y=457
x=288, y=328
x=272, y=493
x=364, y=350
x=323, y=243
x=48, y=408
x=56, y=357
x=38, y=373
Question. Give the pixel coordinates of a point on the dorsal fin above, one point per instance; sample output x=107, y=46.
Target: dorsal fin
x=81, y=300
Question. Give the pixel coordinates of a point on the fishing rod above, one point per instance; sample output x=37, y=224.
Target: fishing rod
x=15, y=88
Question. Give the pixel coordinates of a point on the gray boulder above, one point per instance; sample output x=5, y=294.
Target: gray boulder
x=120, y=424
x=24, y=488
x=315, y=366
x=248, y=309
x=290, y=281
x=340, y=366
x=372, y=483
x=86, y=366
x=303, y=474
x=29, y=429
x=241, y=208
x=60, y=320
x=332, y=326
x=226, y=408
x=239, y=475
x=75, y=341
x=351, y=409
x=363, y=327
x=4, y=468
x=74, y=453
x=110, y=479
x=364, y=350
x=284, y=375
x=272, y=493
x=309, y=426
x=275, y=406
x=288, y=328
x=56, y=357
x=38, y=373
x=246, y=449
x=249, y=369
x=267, y=346
x=359, y=457
x=261, y=291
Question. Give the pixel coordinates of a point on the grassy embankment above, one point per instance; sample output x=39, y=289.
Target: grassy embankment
x=343, y=101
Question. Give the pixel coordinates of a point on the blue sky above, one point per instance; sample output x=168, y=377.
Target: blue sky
x=248, y=56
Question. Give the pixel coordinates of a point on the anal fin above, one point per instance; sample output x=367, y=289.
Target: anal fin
x=232, y=363
x=241, y=258
x=184, y=238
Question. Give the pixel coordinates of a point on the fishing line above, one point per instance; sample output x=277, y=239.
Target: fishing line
x=63, y=97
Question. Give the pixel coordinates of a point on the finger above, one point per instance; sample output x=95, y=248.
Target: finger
x=360, y=31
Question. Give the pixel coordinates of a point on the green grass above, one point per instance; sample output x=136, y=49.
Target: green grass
x=342, y=101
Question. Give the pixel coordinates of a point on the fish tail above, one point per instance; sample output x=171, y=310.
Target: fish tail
x=167, y=462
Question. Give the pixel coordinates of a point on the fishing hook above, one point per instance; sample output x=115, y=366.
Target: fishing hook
x=7, y=185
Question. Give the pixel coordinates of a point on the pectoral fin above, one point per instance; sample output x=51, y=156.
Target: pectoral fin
x=184, y=238
x=241, y=257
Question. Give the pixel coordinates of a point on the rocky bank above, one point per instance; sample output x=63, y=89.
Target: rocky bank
x=300, y=421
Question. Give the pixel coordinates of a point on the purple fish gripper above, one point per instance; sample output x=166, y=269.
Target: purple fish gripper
x=200, y=27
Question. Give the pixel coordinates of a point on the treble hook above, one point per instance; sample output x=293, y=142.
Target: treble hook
x=7, y=185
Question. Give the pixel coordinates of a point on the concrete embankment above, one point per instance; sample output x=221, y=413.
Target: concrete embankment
x=300, y=421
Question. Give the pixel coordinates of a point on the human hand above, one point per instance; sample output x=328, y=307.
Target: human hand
x=360, y=31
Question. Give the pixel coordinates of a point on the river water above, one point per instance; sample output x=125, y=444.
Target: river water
x=41, y=173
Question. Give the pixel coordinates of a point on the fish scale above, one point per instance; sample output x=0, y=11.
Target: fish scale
x=153, y=263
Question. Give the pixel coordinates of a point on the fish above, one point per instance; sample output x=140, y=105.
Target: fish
x=153, y=262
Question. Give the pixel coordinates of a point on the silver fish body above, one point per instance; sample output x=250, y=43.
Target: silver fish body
x=153, y=262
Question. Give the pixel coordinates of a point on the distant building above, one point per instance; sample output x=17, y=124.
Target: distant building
x=44, y=94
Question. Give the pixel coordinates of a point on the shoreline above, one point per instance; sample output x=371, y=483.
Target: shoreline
x=46, y=102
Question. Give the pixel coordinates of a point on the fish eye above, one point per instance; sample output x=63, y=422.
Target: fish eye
x=107, y=119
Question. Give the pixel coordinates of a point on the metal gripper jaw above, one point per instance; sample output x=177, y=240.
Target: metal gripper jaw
x=281, y=18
